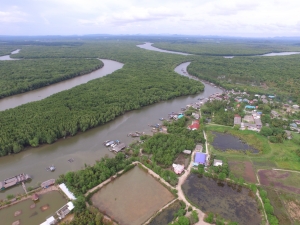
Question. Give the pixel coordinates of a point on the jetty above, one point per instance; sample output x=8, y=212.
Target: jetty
x=135, y=134
x=9, y=182
x=118, y=147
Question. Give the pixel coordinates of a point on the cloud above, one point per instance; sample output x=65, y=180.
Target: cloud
x=13, y=16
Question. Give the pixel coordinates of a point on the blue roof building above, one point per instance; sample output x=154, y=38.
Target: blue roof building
x=180, y=116
x=200, y=158
x=249, y=107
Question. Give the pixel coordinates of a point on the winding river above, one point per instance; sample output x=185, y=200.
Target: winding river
x=44, y=92
x=7, y=57
x=87, y=147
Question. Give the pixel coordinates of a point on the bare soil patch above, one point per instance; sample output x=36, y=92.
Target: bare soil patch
x=275, y=179
x=182, y=159
x=293, y=208
x=243, y=169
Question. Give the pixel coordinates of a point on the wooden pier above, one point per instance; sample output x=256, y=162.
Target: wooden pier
x=24, y=187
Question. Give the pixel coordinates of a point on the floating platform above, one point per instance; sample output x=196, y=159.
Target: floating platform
x=9, y=182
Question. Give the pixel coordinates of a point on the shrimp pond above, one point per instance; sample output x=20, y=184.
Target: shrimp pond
x=226, y=142
x=231, y=202
x=132, y=198
x=29, y=212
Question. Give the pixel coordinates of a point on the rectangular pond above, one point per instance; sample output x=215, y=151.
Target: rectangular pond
x=226, y=142
x=231, y=202
x=28, y=213
x=132, y=198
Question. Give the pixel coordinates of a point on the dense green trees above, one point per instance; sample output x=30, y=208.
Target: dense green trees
x=165, y=147
x=266, y=75
x=83, y=180
x=226, y=47
x=146, y=78
x=19, y=76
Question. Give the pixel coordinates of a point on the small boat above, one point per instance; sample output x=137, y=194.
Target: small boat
x=109, y=143
x=183, y=109
x=161, y=119
x=51, y=168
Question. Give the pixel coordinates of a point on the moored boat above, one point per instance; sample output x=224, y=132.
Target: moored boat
x=12, y=181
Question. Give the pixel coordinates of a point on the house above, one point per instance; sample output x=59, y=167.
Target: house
x=263, y=97
x=249, y=107
x=254, y=100
x=51, y=220
x=293, y=125
x=47, y=183
x=35, y=197
x=274, y=114
x=178, y=169
x=199, y=148
x=179, y=116
x=245, y=100
x=271, y=96
x=218, y=162
x=194, y=126
x=289, y=134
x=119, y=147
x=200, y=158
x=295, y=106
x=196, y=116
x=237, y=120
x=188, y=152
x=68, y=193
x=265, y=101
x=258, y=123
x=65, y=210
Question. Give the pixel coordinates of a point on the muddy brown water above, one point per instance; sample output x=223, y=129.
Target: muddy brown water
x=167, y=215
x=231, y=202
x=132, y=198
x=13, y=101
x=225, y=142
x=87, y=147
x=53, y=199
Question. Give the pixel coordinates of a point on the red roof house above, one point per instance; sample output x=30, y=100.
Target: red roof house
x=194, y=126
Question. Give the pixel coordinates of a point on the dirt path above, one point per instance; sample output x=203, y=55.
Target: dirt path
x=181, y=195
x=293, y=171
x=257, y=194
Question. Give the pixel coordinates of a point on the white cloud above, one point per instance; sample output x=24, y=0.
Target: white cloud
x=200, y=17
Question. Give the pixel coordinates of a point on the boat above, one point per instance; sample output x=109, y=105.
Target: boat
x=12, y=181
x=51, y=168
x=161, y=119
x=109, y=143
x=183, y=109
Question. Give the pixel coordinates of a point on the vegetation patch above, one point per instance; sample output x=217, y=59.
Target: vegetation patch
x=230, y=201
x=167, y=215
x=283, y=180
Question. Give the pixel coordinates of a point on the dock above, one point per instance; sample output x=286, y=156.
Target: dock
x=24, y=187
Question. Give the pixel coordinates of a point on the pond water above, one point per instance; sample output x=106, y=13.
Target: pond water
x=109, y=67
x=54, y=200
x=226, y=142
x=167, y=215
x=149, y=46
x=132, y=198
x=7, y=57
x=86, y=147
x=231, y=202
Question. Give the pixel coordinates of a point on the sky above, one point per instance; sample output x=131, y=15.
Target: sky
x=244, y=18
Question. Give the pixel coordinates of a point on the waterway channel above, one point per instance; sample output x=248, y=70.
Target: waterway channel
x=13, y=101
x=7, y=57
x=87, y=147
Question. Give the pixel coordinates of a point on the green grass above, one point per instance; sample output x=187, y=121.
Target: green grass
x=272, y=155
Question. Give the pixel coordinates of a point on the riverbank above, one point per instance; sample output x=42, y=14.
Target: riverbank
x=40, y=191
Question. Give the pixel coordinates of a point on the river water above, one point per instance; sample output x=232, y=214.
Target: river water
x=149, y=46
x=44, y=92
x=86, y=147
x=7, y=57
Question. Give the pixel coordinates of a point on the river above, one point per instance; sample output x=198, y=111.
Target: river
x=148, y=46
x=7, y=57
x=87, y=147
x=44, y=92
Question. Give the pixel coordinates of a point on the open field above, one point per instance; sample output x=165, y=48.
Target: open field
x=132, y=198
x=243, y=169
x=287, y=181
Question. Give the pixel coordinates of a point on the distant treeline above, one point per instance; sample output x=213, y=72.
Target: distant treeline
x=262, y=75
x=18, y=76
x=146, y=78
x=217, y=47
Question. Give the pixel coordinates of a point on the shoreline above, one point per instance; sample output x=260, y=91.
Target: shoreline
x=40, y=191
